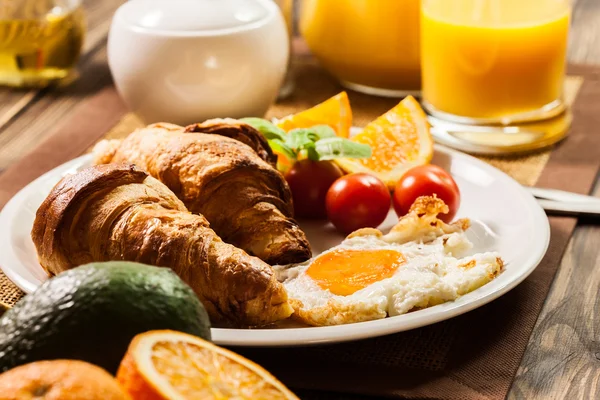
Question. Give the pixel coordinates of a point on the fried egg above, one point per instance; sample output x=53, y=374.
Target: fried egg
x=419, y=264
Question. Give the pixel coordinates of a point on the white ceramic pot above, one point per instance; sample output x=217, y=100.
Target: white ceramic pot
x=185, y=61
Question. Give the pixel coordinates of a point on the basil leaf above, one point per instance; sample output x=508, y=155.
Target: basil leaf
x=316, y=143
x=280, y=147
x=309, y=151
x=298, y=139
x=323, y=131
x=268, y=129
x=331, y=148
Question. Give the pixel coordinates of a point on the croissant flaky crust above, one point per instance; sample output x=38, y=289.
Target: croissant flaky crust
x=118, y=212
x=223, y=170
x=239, y=131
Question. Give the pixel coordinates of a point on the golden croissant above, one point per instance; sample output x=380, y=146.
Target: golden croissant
x=118, y=212
x=222, y=169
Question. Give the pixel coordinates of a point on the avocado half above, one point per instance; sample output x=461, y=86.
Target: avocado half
x=92, y=312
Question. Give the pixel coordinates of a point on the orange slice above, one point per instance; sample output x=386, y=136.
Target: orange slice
x=173, y=365
x=335, y=112
x=399, y=139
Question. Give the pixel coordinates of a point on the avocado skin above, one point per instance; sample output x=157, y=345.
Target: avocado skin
x=92, y=312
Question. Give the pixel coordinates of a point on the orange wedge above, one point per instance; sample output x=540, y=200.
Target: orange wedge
x=172, y=365
x=399, y=139
x=335, y=112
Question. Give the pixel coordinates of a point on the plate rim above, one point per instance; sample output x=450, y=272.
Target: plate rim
x=339, y=333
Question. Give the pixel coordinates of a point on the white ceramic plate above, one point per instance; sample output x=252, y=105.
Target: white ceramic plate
x=505, y=218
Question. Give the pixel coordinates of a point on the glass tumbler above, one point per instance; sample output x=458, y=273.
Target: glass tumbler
x=494, y=61
x=40, y=40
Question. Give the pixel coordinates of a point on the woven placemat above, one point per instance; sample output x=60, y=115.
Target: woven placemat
x=9, y=293
x=431, y=361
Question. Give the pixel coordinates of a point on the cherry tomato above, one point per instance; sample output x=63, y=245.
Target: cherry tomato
x=309, y=182
x=357, y=201
x=426, y=180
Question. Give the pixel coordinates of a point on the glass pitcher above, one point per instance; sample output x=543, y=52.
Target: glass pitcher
x=40, y=40
x=371, y=46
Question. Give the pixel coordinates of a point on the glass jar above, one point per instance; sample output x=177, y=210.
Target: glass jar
x=40, y=40
x=371, y=46
x=494, y=61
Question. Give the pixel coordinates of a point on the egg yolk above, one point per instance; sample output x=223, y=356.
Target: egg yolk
x=344, y=272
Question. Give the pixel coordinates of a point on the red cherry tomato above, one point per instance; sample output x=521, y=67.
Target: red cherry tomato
x=357, y=201
x=309, y=182
x=426, y=180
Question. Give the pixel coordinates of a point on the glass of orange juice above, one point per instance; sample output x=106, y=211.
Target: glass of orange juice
x=371, y=46
x=494, y=61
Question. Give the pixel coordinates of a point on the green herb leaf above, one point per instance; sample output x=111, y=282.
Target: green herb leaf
x=280, y=147
x=316, y=143
x=268, y=129
x=311, y=154
x=309, y=150
x=298, y=139
x=331, y=148
x=323, y=131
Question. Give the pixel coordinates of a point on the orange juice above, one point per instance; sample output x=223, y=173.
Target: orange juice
x=366, y=43
x=493, y=59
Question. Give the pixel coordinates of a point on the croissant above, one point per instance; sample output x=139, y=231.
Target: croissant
x=118, y=212
x=222, y=169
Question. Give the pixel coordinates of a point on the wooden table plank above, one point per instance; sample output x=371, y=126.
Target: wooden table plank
x=585, y=32
x=99, y=16
x=563, y=356
x=21, y=135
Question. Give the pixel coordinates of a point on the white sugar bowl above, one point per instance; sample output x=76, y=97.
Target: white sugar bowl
x=185, y=61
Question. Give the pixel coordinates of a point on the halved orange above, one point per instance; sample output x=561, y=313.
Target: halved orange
x=335, y=112
x=400, y=140
x=172, y=365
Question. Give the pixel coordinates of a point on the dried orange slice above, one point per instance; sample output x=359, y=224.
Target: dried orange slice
x=177, y=366
x=335, y=112
x=400, y=139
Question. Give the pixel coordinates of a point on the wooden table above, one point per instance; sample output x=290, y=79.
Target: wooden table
x=563, y=356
